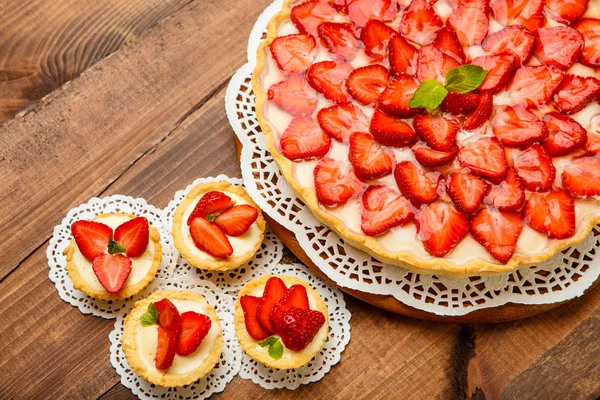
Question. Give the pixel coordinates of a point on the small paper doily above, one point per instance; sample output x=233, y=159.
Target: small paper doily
x=62, y=236
x=223, y=372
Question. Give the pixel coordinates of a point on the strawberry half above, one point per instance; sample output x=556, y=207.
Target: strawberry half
x=294, y=95
x=428, y=157
x=565, y=11
x=447, y=41
x=365, y=84
x=508, y=195
x=441, y=227
x=576, y=92
x=340, y=39
x=335, y=183
x=590, y=29
x=369, y=160
x=294, y=297
x=237, y=220
x=582, y=177
x=112, y=271
x=250, y=307
x=514, y=40
x=91, y=237
x=420, y=23
x=528, y=13
x=168, y=316
x=416, y=184
x=134, y=235
x=309, y=15
x=497, y=231
x=517, y=127
x=460, y=103
x=482, y=113
x=383, y=209
x=559, y=46
x=535, y=167
x=299, y=327
x=565, y=134
x=208, y=237
x=166, y=348
x=376, y=36
x=394, y=99
x=466, y=191
x=439, y=132
x=210, y=203
x=485, y=157
x=304, y=139
x=340, y=121
x=361, y=11
x=432, y=63
x=293, y=53
x=194, y=328
x=391, y=130
x=470, y=21
x=552, y=213
x=328, y=78
x=534, y=86
x=499, y=67
x=274, y=291
x=402, y=56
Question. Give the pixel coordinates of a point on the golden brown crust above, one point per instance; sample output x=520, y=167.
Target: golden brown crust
x=213, y=264
x=80, y=284
x=249, y=344
x=157, y=377
x=404, y=259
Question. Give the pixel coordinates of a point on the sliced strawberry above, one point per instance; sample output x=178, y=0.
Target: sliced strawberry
x=582, y=177
x=383, y=209
x=335, y=183
x=576, y=92
x=590, y=29
x=237, y=220
x=299, y=327
x=485, y=157
x=134, y=235
x=370, y=161
x=376, y=36
x=592, y=145
x=508, y=195
x=304, y=139
x=433, y=64
x=294, y=297
x=534, y=86
x=460, y=103
x=439, y=132
x=470, y=21
x=365, y=84
x=394, y=99
x=194, y=328
x=514, y=40
x=528, y=13
x=552, y=213
x=558, y=46
x=112, y=271
x=329, y=78
x=168, y=316
x=91, y=237
x=208, y=237
x=499, y=67
x=340, y=39
x=466, y=191
x=428, y=157
x=402, y=55
x=565, y=11
x=250, y=307
x=391, y=130
x=340, y=121
x=447, y=41
x=497, y=231
x=274, y=291
x=565, y=134
x=517, y=127
x=309, y=15
x=210, y=203
x=361, y=11
x=535, y=167
x=482, y=113
x=418, y=185
x=341, y=6
x=166, y=348
x=294, y=95
x=441, y=227
x=293, y=53
x=420, y=23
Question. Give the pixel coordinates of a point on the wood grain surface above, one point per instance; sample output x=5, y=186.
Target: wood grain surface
x=146, y=122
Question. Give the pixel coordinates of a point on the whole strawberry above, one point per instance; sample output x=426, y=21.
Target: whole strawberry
x=299, y=327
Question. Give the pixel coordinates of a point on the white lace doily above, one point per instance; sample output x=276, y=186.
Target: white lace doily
x=563, y=277
x=62, y=235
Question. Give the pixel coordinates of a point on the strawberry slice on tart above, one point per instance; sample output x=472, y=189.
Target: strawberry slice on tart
x=552, y=213
x=293, y=53
x=368, y=158
x=565, y=11
x=528, y=13
x=91, y=237
x=134, y=236
x=431, y=158
x=508, y=195
x=515, y=40
x=575, y=93
x=582, y=177
x=432, y=63
x=481, y=115
x=274, y=291
x=328, y=78
x=447, y=41
x=340, y=39
x=437, y=131
x=166, y=349
x=485, y=157
x=294, y=297
x=402, y=56
x=361, y=11
x=535, y=167
x=340, y=120
x=213, y=202
x=565, y=134
x=460, y=103
x=420, y=23
x=534, y=86
x=194, y=328
x=209, y=238
x=500, y=67
x=294, y=95
x=441, y=227
x=466, y=191
x=237, y=220
x=168, y=316
x=299, y=327
x=590, y=30
x=365, y=84
x=304, y=139
x=391, y=130
x=517, y=127
x=112, y=271
x=335, y=183
x=375, y=37
x=383, y=209
x=416, y=184
x=394, y=99
x=558, y=46
x=253, y=327
x=497, y=231
x=470, y=22
x=309, y=15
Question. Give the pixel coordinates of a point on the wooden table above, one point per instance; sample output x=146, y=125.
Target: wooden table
x=145, y=121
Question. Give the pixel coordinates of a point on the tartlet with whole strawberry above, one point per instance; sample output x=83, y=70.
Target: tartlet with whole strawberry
x=218, y=226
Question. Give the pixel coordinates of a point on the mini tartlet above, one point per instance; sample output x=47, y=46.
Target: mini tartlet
x=139, y=340
x=258, y=348
x=143, y=267
x=228, y=224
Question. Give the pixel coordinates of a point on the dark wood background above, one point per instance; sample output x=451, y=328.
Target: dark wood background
x=127, y=96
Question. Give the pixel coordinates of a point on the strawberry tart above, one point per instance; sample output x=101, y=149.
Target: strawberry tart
x=113, y=256
x=280, y=321
x=172, y=338
x=455, y=137
x=218, y=226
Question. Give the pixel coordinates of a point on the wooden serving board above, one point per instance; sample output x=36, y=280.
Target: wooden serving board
x=506, y=312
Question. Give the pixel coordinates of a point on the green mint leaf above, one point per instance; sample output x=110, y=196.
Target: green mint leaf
x=465, y=78
x=115, y=247
x=268, y=341
x=150, y=317
x=212, y=217
x=275, y=347
x=429, y=94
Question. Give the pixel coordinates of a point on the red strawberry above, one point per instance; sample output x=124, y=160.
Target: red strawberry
x=309, y=15
x=340, y=39
x=565, y=11
x=210, y=203
x=516, y=126
x=375, y=36
x=208, y=237
x=365, y=84
x=466, y=191
x=361, y=11
x=418, y=185
x=559, y=46
x=482, y=113
x=439, y=132
x=112, y=271
x=499, y=67
x=441, y=227
x=165, y=351
x=552, y=213
x=433, y=64
x=497, y=231
x=383, y=209
x=194, y=328
x=433, y=158
x=460, y=103
x=485, y=157
x=134, y=235
x=447, y=41
x=274, y=291
x=168, y=316
x=295, y=297
x=582, y=177
x=535, y=167
x=534, y=86
x=528, y=13
x=391, y=130
x=576, y=92
x=394, y=99
x=328, y=78
x=299, y=327
x=514, y=40
x=335, y=183
x=565, y=134
x=593, y=136
x=340, y=121
x=304, y=139
x=420, y=23
x=91, y=237
x=237, y=220
x=402, y=55
x=250, y=307
x=294, y=95
x=470, y=21
x=590, y=29
x=370, y=161
x=508, y=195
x=293, y=53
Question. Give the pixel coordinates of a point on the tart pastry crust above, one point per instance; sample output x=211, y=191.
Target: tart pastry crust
x=157, y=377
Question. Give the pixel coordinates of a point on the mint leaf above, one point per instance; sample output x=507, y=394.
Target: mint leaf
x=150, y=317
x=429, y=94
x=115, y=247
x=275, y=347
x=465, y=78
x=268, y=341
